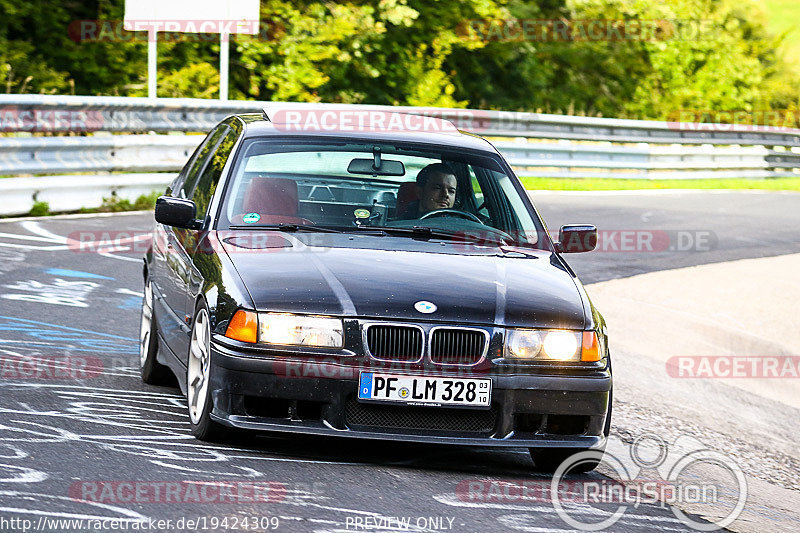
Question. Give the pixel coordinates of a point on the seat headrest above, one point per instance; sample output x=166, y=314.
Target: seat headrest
x=406, y=194
x=271, y=196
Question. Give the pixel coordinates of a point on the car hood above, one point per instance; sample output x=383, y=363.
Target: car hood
x=384, y=277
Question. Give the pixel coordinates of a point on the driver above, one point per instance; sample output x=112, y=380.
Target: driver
x=436, y=189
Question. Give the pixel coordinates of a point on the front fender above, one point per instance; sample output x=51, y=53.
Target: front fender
x=215, y=279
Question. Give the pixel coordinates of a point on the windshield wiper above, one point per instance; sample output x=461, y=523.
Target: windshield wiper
x=415, y=232
x=292, y=228
x=425, y=233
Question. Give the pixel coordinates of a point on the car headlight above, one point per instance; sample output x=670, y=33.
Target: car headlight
x=297, y=330
x=523, y=343
x=561, y=345
x=552, y=345
x=286, y=329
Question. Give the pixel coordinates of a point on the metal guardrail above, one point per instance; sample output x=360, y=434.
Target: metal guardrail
x=117, y=153
x=153, y=153
x=71, y=193
x=535, y=144
x=648, y=161
x=19, y=113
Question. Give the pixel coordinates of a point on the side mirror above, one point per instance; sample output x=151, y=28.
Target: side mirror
x=576, y=238
x=176, y=212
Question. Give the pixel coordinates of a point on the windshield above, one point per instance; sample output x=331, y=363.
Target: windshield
x=356, y=186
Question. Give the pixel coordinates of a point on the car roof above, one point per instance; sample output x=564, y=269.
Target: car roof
x=257, y=125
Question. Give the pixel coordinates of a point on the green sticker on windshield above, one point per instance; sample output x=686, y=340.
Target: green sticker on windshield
x=251, y=218
x=361, y=213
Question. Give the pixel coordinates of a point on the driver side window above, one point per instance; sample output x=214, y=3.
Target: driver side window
x=201, y=157
x=480, y=202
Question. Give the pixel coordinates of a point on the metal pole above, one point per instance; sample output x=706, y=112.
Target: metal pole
x=224, y=53
x=152, y=63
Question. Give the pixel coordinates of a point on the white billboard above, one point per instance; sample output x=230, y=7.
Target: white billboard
x=193, y=16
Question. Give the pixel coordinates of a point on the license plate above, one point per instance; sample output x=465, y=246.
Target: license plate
x=421, y=390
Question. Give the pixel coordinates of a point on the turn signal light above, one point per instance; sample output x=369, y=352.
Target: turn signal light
x=590, y=350
x=243, y=327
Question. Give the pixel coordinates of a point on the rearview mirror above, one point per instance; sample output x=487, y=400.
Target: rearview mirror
x=576, y=238
x=176, y=212
x=389, y=167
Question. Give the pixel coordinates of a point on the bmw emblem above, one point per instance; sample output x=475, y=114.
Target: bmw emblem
x=425, y=307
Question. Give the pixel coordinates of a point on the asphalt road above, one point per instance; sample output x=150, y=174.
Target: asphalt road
x=686, y=229
x=69, y=443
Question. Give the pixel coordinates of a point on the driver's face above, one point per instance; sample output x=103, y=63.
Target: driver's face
x=439, y=192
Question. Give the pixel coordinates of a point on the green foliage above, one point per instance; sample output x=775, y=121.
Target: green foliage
x=418, y=52
x=782, y=20
x=728, y=64
x=39, y=52
x=384, y=51
x=40, y=209
x=147, y=202
x=115, y=204
x=198, y=80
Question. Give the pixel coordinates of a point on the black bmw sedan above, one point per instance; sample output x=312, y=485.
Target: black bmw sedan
x=380, y=282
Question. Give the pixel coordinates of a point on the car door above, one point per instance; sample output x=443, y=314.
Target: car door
x=174, y=280
x=202, y=195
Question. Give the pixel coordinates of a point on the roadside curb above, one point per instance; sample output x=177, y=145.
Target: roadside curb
x=74, y=215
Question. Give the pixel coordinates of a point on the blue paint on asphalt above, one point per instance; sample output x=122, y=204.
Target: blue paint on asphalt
x=74, y=274
x=124, y=350
x=18, y=324
x=68, y=338
x=131, y=302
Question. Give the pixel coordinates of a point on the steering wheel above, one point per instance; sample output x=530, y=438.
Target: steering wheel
x=451, y=212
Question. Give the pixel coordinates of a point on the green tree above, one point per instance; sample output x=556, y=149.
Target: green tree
x=415, y=52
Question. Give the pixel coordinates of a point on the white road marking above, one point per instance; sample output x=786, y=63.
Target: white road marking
x=39, y=498
x=36, y=229
x=130, y=292
x=39, y=235
x=60, y=292
x=27, y=237
x=37, y=248
x=25, y=474
x=121, y=258
x=585, y=509
x=527, y=522
x=19, y=453
x=52, y=218
x=247, y=471
x=59, y=242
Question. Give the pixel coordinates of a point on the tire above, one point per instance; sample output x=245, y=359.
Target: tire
x=198, y=376
x=549, y=459
x=152, y=372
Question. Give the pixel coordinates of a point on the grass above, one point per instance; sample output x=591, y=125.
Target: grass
x=40, y=209
x=616, y=184
x=116, y=205
x=112, y=204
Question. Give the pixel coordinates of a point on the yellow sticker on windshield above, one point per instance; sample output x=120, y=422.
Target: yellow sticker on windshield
x=361, y=213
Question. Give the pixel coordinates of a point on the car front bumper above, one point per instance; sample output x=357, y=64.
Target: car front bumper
x=280, y=394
